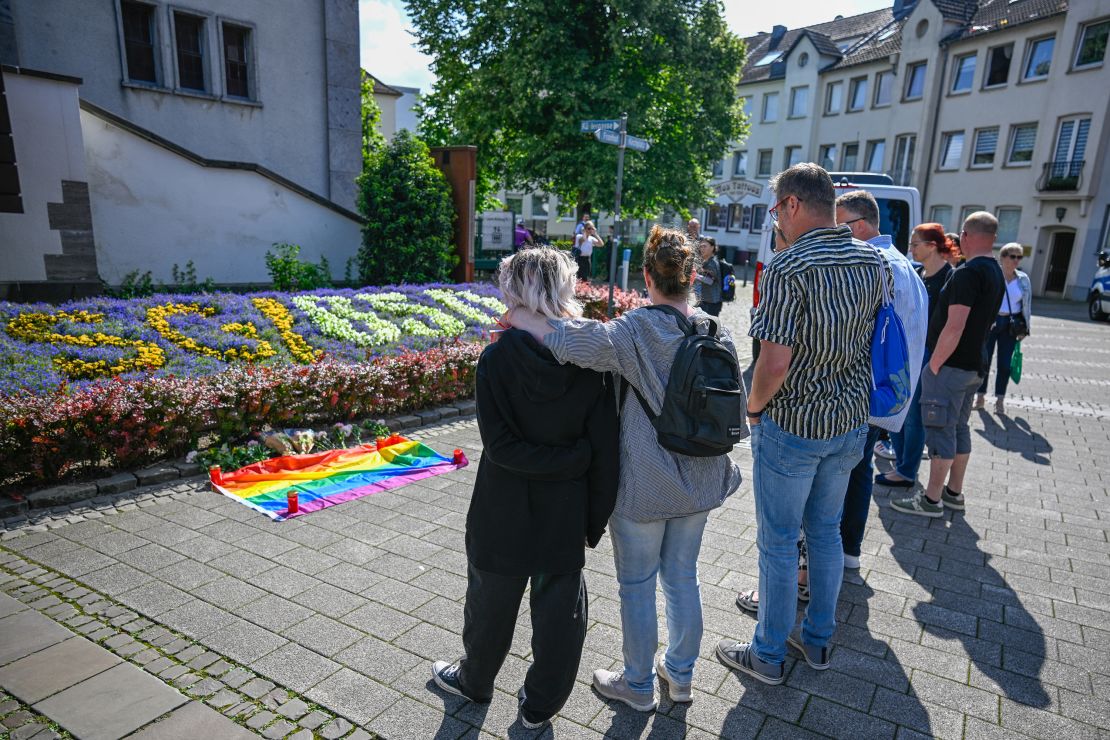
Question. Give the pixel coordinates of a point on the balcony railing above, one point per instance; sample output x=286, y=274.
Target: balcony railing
x=1063, y=174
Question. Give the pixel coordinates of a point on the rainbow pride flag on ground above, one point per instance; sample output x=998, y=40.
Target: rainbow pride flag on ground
x=324, y=479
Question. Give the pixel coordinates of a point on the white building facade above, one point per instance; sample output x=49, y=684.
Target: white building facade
x=997, y=106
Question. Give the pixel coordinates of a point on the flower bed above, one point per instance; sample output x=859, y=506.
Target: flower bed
x=114, y=384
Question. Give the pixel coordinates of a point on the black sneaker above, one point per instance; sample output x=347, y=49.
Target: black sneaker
x=446, y=676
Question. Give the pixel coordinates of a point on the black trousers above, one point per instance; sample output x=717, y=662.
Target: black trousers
x=559, y=615
x=713, y=309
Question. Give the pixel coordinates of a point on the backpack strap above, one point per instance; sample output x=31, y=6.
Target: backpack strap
x=625, y=385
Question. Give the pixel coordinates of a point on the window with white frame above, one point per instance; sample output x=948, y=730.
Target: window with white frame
x=770, y=107
x=965, y=212
x=189, y=48
x=759, y=215
x=539, y=207
x=1071, y=140
x=1091, y=49
x=718, y=167
x=1038, y=59
x=986, y=143
x=764, y=163
x=884, y=86
x=915, y=81
x=951, y=150
x=850, y=163
x=746, y=105
x=735, y=216
x=792, y=156
x=941, y=215
x=740, y=163
x=997, y=72
x=828, y=156
x=834, y=93
x=876, y=154
x=857, y=94
x=799, y=101
x=901, y=168
x=238, y=61
x=139, y=41
x=717, y=218
x=1009, y=218
x=1023, y=137
x=963, y=73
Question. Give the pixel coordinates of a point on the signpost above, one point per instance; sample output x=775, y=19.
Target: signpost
x=608, y=131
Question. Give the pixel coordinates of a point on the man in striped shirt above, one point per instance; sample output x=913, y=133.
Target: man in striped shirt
x=808, y=409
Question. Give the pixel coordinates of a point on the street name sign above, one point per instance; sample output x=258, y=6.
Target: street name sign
x=608, y=124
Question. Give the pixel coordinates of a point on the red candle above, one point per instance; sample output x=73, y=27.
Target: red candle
x=294, y=505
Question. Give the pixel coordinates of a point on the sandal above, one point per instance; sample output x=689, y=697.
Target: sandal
x=882, y=480
x=748, y=600
x=803, y=566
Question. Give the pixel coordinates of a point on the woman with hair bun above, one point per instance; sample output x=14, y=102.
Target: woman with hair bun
x=664, y=498
x=934, y=249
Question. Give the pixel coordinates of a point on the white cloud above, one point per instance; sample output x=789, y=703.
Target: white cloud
x=387, y=45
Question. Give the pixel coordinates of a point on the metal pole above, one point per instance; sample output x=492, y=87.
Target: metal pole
x=617, y=212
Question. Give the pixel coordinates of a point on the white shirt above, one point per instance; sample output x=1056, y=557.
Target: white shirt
x=1013, y=292
x=586, y=244
x=911, y=304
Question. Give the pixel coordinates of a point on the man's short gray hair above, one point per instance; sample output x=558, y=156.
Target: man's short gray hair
x=808, y=183
x=862, y=204
x=981, y=222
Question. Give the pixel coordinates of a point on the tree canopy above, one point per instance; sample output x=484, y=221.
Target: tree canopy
x=516, y=78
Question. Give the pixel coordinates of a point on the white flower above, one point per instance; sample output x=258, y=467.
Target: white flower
x=191, y=457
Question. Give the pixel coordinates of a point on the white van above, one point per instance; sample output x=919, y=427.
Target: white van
x=899, y=213
x=1098, y=299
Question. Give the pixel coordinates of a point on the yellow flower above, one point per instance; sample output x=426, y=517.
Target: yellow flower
x=301, y=350
x=35, y=326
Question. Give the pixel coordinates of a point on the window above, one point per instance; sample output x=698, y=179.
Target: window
x=884, y=83
x=951, y=150
x=915, y=81
x=941, y=215
x=998, y=66
x=857, y=94
x=1009, y=218
x=851, y=157
x=764, y=163
x=718, y=168
x=236, y=55
x=799, y=101
x=516, y=205
x=1038, y=60
x=963, y=73
x=539, y=206
x=717, y=218
x=770, y=107
x=740, y=164
x=1022, y=139
x=759, y=215
x=739, y=217
x=792, y=157
x=902, y=166
x=965, y=212
x=1092, y=45
x=138, y=41
x=1071, y=140
x=746, y=105
x=828, y=156
x=986, y=142
x=834, y=91
x=876, y=152
x=768, y=58
x=188, y=33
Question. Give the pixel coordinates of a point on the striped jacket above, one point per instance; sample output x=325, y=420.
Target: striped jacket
x=819, y=297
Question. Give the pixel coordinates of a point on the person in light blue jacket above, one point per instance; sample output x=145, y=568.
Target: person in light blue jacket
x=1018, y=301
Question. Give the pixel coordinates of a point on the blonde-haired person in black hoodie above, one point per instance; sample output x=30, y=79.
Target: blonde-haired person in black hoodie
x=546, y=485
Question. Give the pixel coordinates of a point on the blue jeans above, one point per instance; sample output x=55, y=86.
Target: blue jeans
x=999, y=334
x=799, y=483
x=857, y=497
x=670, y=548
x=910, y=442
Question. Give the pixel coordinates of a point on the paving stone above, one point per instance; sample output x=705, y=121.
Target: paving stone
x=278, y=730
x=338, y=727
x=237, y=677
x=293, y=709
x=255, y=688
x=313, y=719
x=260, y=720
x=194, y=720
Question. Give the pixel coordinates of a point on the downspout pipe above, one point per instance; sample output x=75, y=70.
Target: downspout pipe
x=933, y=128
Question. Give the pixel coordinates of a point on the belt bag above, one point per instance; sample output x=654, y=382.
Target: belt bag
x=1019, y=327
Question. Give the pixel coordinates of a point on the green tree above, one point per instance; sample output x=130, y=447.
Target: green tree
x=409, y=215
x=516, y=78
x=371, y=114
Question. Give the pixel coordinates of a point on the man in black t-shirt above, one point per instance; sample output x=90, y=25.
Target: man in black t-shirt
x=966, y=307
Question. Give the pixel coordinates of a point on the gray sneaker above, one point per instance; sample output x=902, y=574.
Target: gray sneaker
x=612, y=685
x=739, y=655
x=918, y=504
x=952, y=500
x=816, y=657
x=679, y=692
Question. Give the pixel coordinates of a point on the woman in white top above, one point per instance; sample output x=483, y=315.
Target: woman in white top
x=1016, y=305
x=585, y=243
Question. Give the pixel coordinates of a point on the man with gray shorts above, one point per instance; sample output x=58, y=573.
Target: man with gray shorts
x=965, y=310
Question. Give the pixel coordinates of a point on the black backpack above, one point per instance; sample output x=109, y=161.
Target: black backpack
x=728, y=282
x=704, y=404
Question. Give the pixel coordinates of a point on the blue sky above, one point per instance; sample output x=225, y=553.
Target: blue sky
x=389, y=54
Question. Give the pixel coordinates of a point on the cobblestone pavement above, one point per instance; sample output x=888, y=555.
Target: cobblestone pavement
x=990, y=623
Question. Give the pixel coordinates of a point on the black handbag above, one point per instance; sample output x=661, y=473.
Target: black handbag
x=1019, y=327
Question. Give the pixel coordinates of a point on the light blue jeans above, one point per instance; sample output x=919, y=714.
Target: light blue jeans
x=669, y=548
x=799, y=483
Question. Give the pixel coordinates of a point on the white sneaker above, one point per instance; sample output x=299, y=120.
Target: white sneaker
x=612, y=685
x=851, y=562
x=979, y=402
x=679, y=692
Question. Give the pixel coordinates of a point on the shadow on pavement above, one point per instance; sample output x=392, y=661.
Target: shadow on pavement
x=959, y=611
x=1014, y=435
